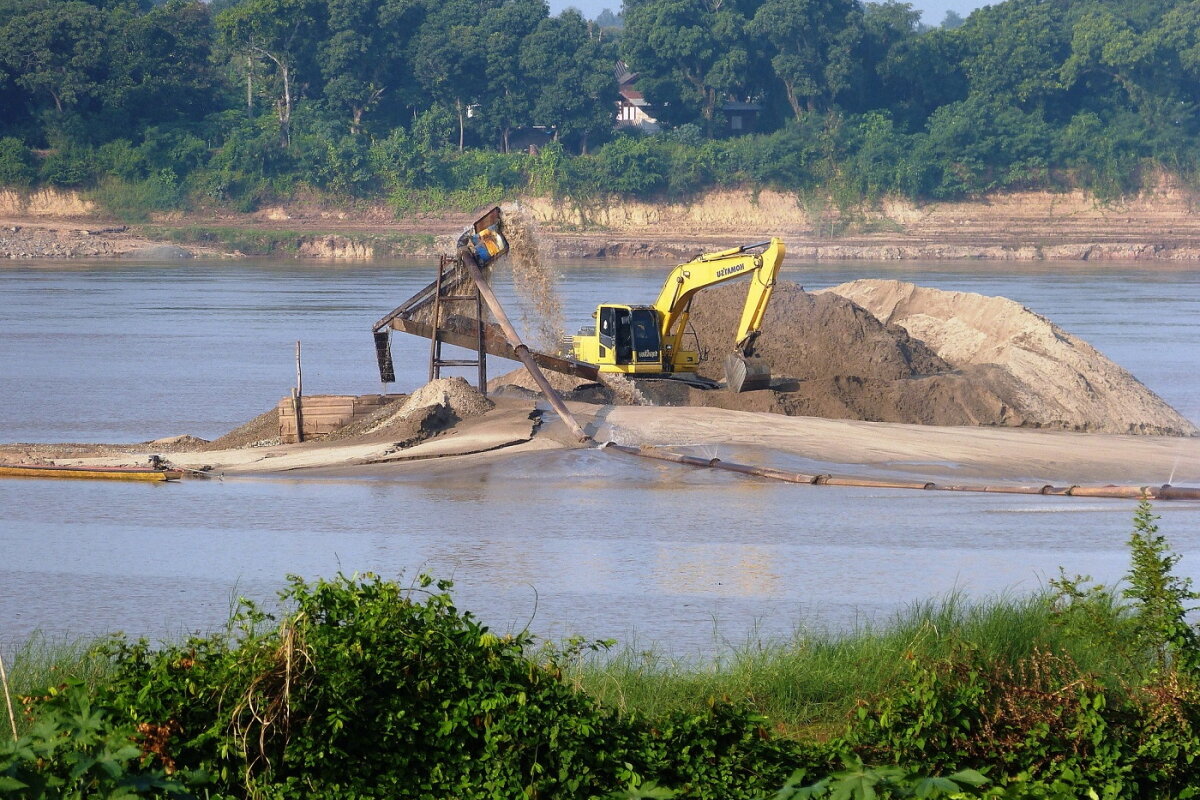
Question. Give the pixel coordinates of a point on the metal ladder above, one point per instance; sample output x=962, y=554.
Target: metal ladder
x=442, y=294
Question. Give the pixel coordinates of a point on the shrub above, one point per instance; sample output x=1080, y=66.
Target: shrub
x=78, y=749
x=633, y=166
x=365, y=689
x=69, y=165
x=135, y=200
x=16, y=164
x=120, y=159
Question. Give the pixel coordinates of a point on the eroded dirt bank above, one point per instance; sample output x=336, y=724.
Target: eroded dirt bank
x=1161, y=224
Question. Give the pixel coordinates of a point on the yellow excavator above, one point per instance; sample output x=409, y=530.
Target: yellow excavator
x=647, y=341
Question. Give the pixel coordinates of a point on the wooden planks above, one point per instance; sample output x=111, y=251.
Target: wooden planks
x=324, y=413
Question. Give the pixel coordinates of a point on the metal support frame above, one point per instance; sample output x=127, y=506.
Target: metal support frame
x=443, y=293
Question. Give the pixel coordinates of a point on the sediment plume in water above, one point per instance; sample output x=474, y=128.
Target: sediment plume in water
x=535, y=281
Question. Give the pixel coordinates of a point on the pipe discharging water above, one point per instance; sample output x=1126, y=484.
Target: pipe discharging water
x=1164, y=492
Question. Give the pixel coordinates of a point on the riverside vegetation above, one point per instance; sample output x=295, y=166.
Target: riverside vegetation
x=428, y=105
x=363, y=688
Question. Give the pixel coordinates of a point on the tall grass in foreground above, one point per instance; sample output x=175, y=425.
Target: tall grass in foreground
x=40, y=662
x=809, y=684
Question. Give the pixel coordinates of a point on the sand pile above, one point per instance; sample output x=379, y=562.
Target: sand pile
x=887, y=351
x=614, y=389
x=1060, y=380
x=831, y=358
x=435, y=407
x=262, y=431
x=521, y=379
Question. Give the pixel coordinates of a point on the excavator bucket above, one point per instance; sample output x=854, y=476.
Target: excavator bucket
x=743, y=374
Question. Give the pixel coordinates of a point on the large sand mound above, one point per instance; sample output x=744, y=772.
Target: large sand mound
x=885, y=351
x=1060, y=380
x=831, y=358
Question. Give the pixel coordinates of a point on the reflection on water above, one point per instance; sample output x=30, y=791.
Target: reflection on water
x=566, y=543
x=721, y=570
x=581, y=542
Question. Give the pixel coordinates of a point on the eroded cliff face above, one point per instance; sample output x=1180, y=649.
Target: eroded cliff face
x=44, y=203
x=1163, y=223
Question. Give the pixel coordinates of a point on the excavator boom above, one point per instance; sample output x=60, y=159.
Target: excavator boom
x=675, y=300
x=647, y=341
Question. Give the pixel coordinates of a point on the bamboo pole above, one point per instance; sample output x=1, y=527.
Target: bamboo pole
x=12, y=719
x=296, y=394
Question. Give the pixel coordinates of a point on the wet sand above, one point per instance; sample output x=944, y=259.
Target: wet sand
x=844, y=447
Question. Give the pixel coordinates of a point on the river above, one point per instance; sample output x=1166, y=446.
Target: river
x=564, y=543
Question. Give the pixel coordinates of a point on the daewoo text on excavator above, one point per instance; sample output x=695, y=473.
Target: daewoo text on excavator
x=647, y=341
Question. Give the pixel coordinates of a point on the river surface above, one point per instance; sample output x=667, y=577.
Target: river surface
x=565, y=543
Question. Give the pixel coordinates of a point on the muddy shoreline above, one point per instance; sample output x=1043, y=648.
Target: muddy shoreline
x=1159, y=226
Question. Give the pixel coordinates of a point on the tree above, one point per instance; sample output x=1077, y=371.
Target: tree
x=1160, y=620
x=886, y=28
x=1118, y=66
x=161, y=65
x=813, y=44
x=690, y=54
x=282, y=33
x=58, y=51
x=607, y=19
x=448, y=58
x=1013, y=52
x=572, y=74
x=510, y=89
x=921, y=74
x=363, y=57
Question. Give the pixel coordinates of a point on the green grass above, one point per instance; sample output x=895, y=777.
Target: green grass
x=808, y=685
x=41, y=662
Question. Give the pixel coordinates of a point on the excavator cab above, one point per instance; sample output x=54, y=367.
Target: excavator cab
x=625, y=339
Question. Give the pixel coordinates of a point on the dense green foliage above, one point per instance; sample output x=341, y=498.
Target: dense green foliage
x=243, y=101
x=363, y=688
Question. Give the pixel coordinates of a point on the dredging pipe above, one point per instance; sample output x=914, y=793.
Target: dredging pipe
x=522, y=353
x=1164, y=492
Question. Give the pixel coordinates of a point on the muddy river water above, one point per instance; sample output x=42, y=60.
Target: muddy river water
x=575, y=542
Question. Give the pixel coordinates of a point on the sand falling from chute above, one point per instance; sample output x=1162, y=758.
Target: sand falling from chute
x=534, y=281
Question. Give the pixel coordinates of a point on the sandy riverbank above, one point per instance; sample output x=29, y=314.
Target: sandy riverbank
x=845, y=447
x=1159, y=225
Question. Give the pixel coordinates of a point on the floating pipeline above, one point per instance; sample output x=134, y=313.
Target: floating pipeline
x=1164, y=492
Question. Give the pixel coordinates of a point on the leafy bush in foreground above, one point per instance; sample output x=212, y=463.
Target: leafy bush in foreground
x=76, y=749
x=367, y=689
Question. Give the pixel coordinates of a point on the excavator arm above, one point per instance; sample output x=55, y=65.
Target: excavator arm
x=675, y=300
